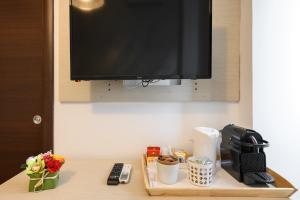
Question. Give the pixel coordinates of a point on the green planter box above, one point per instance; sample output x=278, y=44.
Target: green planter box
x=50, y=182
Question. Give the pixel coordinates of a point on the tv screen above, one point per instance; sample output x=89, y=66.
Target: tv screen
x=140, y=39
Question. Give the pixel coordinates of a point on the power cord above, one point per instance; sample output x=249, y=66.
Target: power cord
x=146, y=83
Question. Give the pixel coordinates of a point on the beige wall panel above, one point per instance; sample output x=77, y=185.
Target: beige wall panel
x=224, y=85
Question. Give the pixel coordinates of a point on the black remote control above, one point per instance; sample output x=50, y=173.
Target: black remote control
x=115, y=173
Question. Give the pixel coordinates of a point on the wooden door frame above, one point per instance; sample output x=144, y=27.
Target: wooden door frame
x=48, y=87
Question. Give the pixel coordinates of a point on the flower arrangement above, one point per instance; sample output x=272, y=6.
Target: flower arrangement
x=43, y=171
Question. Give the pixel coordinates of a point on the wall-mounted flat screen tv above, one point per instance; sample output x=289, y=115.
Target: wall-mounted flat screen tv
x=140, y=39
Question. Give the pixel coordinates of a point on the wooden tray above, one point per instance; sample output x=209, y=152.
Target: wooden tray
x=224, y=186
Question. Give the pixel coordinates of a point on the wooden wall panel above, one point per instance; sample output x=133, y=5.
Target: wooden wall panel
x=224, y=85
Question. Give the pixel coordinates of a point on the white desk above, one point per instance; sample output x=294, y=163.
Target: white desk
x=85, y=179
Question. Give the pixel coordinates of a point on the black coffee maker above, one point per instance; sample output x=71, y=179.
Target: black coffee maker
x=243, y=156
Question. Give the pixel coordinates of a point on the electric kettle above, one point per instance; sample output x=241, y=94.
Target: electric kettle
x=206, y=143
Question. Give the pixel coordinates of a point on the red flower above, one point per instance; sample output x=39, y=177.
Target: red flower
x=52, y=164
x=48, y=158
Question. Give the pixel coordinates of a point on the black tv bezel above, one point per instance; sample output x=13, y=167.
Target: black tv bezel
x=145, y=77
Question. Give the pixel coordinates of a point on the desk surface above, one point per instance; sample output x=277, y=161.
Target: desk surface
x=85, y=179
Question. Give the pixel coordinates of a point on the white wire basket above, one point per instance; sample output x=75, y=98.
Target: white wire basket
x=200, y=171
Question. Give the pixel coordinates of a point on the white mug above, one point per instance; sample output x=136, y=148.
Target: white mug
x=168, y=174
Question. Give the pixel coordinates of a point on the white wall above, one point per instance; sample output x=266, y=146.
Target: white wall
x=125, y=129
x=276, y=82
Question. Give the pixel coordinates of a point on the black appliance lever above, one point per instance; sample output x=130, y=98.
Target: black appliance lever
x=235, y=140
